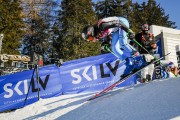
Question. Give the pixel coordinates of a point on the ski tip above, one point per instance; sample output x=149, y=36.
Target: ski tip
x=86, y=101
x=94, y=97
x=90, y=99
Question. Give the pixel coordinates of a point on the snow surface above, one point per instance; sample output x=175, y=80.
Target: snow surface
x=157, y=100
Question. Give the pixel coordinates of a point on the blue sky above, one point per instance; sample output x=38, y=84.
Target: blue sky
x=171, y=7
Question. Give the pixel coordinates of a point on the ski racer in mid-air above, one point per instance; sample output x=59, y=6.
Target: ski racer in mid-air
x=118, y=27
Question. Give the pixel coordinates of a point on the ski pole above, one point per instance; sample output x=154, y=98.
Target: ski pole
x=109, y=50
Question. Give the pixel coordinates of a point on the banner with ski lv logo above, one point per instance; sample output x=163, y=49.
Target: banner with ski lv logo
x=92, y=74
x=14, y=87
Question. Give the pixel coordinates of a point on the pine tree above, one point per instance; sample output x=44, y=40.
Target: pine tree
x=157, y=16
x=73, y=16
x=121, y=8
x=11, y=25
x=37, y=26
x=105, y=8
x=150, y=13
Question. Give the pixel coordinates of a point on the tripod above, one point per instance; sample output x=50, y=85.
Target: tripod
x=36, y=69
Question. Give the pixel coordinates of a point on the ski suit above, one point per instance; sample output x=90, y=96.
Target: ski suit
x=118, y=27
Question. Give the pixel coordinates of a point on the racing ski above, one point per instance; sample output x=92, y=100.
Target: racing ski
x=122, y=80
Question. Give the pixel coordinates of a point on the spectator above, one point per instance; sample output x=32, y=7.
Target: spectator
x=170, y=70
x=146, y=39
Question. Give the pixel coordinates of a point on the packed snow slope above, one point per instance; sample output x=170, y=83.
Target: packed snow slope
x=156, y=100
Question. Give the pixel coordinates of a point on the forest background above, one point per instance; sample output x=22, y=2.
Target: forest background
x=52, y=28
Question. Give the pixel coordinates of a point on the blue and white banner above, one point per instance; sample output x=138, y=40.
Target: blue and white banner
x=83, y=75
x=158, y=50
x=92, y=74
x=14, y=87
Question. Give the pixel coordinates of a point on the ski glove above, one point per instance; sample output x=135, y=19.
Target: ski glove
x=105, y=47
x=131, y=34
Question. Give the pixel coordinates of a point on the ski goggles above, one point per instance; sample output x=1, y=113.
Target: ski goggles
x=90, y=38
x=145, y=27
x=169, y=69
x=87, y=37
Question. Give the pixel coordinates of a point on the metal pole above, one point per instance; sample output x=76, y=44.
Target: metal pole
x=1, y=37
x=178, y=56
x=37, y=78
x=29, y=87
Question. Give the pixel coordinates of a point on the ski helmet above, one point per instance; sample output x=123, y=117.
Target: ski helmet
x=88, y=33
x=124, y=21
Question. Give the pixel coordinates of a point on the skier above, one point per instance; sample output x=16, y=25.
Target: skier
x=146, y=39
x=118, y=27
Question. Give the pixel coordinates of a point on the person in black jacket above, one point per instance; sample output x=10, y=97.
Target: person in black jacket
x=146, y=39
